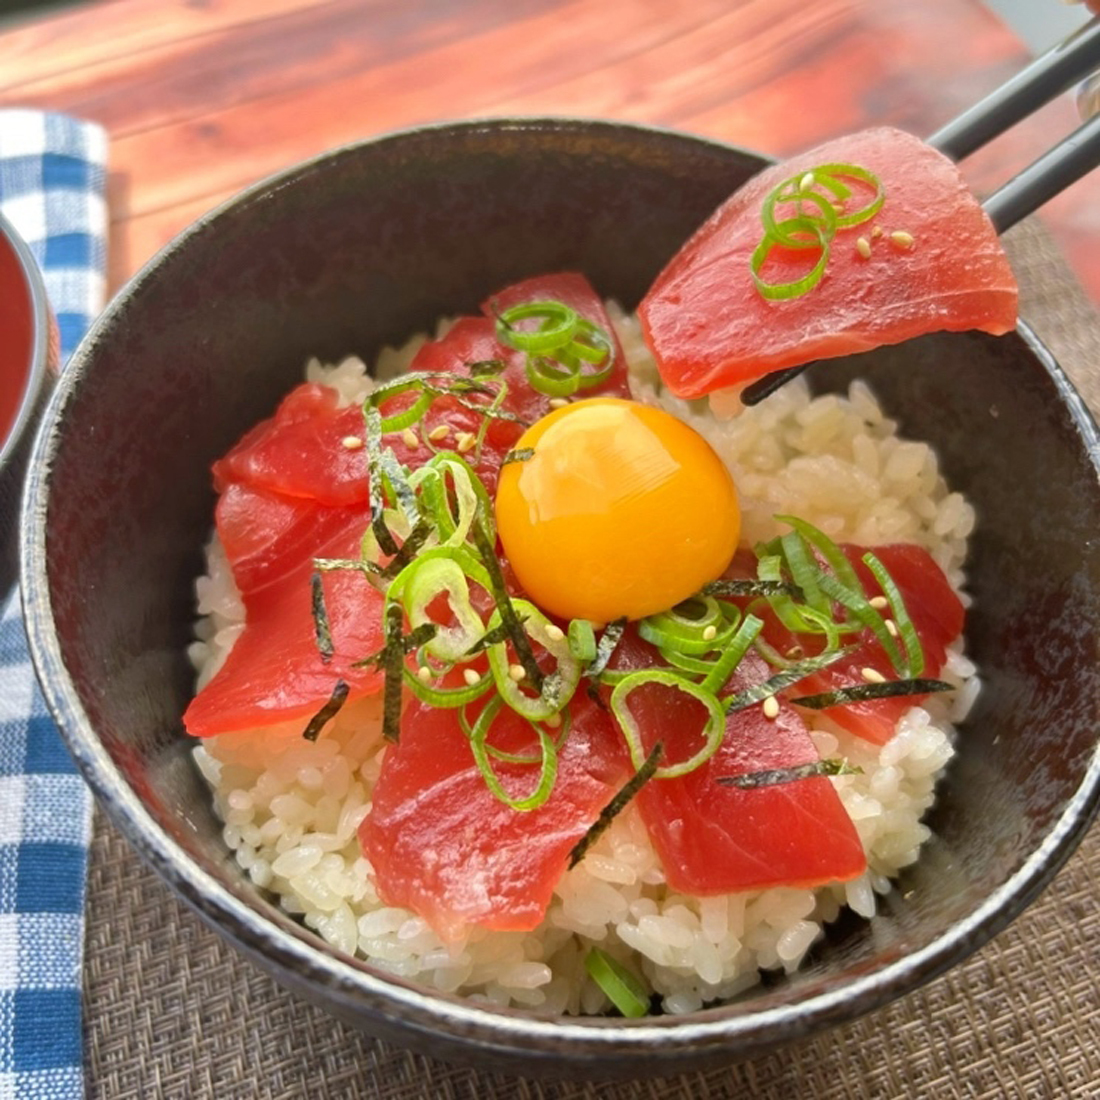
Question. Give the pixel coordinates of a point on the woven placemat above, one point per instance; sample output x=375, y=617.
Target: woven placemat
x=172, y=1011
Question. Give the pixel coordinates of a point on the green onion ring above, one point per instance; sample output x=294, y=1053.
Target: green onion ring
x=624, y=989
x=559, y=325
x=547, y=772
x=713, y=729
x=796, y=287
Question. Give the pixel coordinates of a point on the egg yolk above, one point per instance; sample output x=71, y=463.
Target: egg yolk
x=621, y=510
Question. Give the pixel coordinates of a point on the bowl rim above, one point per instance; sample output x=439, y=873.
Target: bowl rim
x=35, y=374
x=300, y=956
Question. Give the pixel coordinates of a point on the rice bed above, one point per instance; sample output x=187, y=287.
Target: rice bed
x=292, y=807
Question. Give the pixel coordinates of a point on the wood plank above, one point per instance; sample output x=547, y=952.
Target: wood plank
x=93, y=34
x=187, y=76
x=232, y=147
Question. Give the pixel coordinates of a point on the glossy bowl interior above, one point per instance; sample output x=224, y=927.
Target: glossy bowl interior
x=28, y=365
x=368, y=244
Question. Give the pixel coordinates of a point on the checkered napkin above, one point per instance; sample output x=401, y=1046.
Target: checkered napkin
x=52, y=184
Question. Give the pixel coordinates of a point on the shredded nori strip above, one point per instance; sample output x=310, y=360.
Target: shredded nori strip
x=770, y=778
x=486, y=368
x=783, y=679
x=393, y=657
x=508, y=617
x=520, y=454
x=749, y=588
x=329, y=710
x=328, y=565
x=617, y=804
x=322, y=629
x=860, y=693
x=423, y=634
x=498, y=634
x=609, y=639
x=373, y=420
x=409, y=548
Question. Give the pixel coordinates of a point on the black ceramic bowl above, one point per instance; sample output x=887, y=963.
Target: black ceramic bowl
x=367, y=244
x=28, y=367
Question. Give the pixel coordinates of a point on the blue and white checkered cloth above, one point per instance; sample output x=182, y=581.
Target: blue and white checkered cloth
x=52, y=190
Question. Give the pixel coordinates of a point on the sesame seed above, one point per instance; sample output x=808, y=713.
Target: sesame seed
x=863, y=247
x=558, y=402
x=352, y=443
x=440, y=431
x=710, y=633
x=806, y=182
x=466, y=441
x=901, y=238
x=771, y=707
x=891, y=628
x=876, y=232
x=554, y=721
x=423, y=674
x=879, y=602
x=872, y=676
x=410, y=439
x=471, y=676
x=555, y=633
x=517, y=672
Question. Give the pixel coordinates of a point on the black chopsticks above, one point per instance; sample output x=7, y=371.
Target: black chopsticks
x=1047, y=76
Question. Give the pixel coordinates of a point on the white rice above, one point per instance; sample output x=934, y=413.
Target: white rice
x=292, y=807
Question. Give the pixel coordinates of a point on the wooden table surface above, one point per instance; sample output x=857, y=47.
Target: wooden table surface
x=203, y=97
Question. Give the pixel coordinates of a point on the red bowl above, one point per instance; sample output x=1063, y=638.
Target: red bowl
x=29, y=355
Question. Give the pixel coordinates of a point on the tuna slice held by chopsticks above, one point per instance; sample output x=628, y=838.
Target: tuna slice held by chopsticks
x=928, y=260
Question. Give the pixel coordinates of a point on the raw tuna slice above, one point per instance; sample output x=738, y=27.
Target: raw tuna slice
x=275, y=672
x=713, y=838
x=442, y=844
x=265, y=536
x=300, y=452
x=937, y=614
x=710, y=328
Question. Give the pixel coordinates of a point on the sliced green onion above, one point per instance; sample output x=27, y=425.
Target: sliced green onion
x=335, y=701
x=858, y=604
x=618, y=803
x=785, y=233
x=548, y=769
x=322, y=630
x=446, y=698
x=624, y=989
x=796, y=287
x=804, y=570
x=733, y=654
x=862, y=693
x=713, y=728
x=424, y=581
x=694, y=627
x=773, y=777
x=827, y=548
x=556, y=689
x=582, y=640
x=914, y=652
x=854, y=171
x=558, y=327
